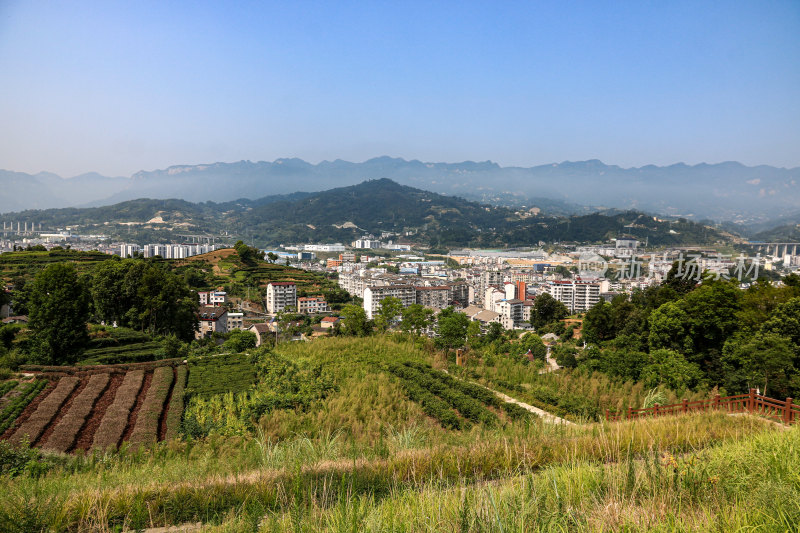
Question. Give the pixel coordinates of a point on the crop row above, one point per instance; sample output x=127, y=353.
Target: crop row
x=175, y=409
x=66, y=431
x=468, y=407
x=514, y=411
x=88, y=369
x=127, y=357
x=116, y=349
x=146, y=429
x=119, y=337
x=7, y=386
x=431, y=405
x=115, y=419
x=221, y=374
x=13, y=409
x=35, y=425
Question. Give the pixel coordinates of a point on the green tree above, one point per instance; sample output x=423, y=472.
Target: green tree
x=598, y=324
x=474, y=336
x=669, y=325
x=533, y=343
x=354, y=321
x=785, y=321
x=20, y=295
x=59, y=312
x=764, y=360
x=451, y=328
x=247, y=254
x=712, y=310
x=144, y=296
x=494, y=332
x=416, y=318
x=547, y=309
x=388, y=312
x=565, y=355
x=239, y=341
x=669, y=368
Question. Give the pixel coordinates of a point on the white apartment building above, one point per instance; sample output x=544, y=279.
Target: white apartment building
x=366, y=243
x=579, y=296
x=512, y=313
x=127, y=250
x=374, y=295
x=280, y=295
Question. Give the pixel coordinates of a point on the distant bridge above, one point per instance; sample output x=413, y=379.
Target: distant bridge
x=774, y=248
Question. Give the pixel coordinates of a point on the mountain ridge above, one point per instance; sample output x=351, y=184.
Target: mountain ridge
x=376, y=206
x=727, y=191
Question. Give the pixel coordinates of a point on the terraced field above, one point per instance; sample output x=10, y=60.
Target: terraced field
x=65, y=409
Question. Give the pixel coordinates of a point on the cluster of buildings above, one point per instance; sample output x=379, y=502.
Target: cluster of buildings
x=167, y=251
x=501, y=285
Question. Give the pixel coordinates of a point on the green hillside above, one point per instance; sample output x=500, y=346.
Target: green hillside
x=374, y=206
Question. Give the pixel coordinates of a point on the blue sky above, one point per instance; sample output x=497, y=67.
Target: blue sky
x=117, y=87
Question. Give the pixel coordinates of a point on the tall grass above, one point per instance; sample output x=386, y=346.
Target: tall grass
x=321, y=473
x=750, y=485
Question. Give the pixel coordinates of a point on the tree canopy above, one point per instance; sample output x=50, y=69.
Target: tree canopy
x=59, y=312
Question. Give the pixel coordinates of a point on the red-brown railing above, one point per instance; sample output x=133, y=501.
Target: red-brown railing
x=784, y=411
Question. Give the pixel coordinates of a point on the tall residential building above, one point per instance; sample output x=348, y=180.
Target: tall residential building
x=127, y=250
x=374, y=295
x=438, y=297
x=280, y=295
x=579, y=296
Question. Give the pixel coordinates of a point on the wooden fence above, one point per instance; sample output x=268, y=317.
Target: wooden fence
x=783, y=411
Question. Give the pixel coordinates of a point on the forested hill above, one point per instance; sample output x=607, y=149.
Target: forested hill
x=374, y=206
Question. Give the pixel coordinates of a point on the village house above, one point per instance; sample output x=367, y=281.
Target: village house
x=211, y=320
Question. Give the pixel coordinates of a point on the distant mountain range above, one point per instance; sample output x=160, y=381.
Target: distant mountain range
x=375, y=206
x=724, y=192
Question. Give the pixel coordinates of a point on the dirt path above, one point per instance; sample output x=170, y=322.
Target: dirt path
x=550, y=364
x=547, y=417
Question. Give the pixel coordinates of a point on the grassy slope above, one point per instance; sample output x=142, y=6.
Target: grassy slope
x=365, y=458
x=598, y=474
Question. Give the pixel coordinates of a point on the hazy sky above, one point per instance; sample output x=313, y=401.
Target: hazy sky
x=117, y=87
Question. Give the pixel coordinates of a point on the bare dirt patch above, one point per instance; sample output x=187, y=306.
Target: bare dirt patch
x=86, y=435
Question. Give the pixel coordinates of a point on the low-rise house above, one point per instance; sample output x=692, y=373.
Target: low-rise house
x=211, y=320
x=312, y=305
x=262, y=332
x=329, y=322
x=235, y=321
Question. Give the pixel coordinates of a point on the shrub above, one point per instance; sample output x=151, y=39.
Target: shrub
x=15, y=407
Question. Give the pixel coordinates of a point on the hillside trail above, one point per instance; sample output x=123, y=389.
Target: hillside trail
x=550, y=363
x=545, y=416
